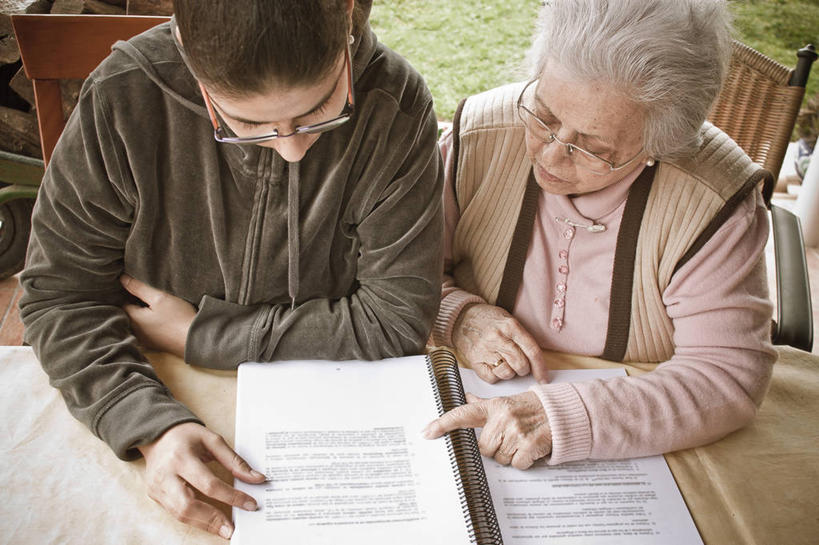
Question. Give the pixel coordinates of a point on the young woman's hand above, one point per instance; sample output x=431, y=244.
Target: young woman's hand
x=175, y=466
x=496, y=346
x=164, y=323
x=515, y=428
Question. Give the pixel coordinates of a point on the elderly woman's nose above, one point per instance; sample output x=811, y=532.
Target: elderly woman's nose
x=553, y=153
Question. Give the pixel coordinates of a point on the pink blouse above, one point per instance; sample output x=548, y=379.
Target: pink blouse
x=718, y=303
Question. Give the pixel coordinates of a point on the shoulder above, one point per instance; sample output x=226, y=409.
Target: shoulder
x=389, y=77
x=147, y=69
x=720, y=166
x=154, y=46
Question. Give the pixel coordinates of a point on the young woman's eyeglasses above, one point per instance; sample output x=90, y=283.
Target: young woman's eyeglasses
x=221, y=135
x=543, y=132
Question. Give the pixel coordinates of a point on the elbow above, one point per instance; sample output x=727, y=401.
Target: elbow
x=411, y=336
x=417, y=342
x=745, y=413
x=731, y=418
x=411, y=331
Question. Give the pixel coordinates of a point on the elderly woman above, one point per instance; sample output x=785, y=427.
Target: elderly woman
x=593, y=210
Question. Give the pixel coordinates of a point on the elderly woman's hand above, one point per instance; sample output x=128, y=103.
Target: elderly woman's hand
x=496, y=346
x=515, y=428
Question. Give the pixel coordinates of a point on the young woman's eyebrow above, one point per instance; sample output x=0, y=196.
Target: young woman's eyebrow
x=318, y=106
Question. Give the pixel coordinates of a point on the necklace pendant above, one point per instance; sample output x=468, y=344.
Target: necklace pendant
x=593, y=228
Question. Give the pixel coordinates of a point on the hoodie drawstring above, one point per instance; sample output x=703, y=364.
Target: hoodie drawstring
x=293, y=232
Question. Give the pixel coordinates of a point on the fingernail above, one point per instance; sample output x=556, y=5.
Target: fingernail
x=255, y=474
x=225, y=531
x=250, y=506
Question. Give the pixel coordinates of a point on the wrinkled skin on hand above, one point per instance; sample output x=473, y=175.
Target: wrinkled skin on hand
x=496, y=346
x=515, y=428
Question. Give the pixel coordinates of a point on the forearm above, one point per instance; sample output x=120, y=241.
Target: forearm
x=373, y=323
x=88, y=352
x=691, y=400
x=389, y=314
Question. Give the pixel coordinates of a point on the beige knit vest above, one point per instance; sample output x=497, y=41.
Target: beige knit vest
x=678, y=211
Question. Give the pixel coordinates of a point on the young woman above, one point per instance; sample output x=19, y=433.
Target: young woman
x=264, y=177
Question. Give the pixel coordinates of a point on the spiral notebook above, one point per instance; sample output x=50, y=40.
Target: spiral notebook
x=341, y=445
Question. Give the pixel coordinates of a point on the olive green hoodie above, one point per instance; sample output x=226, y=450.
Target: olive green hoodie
x=335, y=257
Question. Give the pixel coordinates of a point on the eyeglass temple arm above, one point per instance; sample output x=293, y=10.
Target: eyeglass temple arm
x=209, y=106
x=350, y=94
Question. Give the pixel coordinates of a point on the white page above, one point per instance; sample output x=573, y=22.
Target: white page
x=341, y=445
x=632, y=501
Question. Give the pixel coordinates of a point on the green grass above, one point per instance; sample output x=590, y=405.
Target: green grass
x=460, y=46
x=778, y=28
x=466, y=46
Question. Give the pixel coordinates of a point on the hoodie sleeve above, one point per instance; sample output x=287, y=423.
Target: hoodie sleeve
x=390, y=311
x=71, y=293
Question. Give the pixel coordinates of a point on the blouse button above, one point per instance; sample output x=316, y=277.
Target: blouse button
x=560, y=303
x=568, y=233
x=557, y=323
x=561, y=287
x=563, y=269
x=563, y=254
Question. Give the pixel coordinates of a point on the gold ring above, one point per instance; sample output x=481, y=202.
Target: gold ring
x=498, y=363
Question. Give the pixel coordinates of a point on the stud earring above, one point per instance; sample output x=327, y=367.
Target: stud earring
x=650, y=162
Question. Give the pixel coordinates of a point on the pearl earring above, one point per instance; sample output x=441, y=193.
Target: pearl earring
x=650, y=162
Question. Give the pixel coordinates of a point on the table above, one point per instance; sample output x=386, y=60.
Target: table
x=62, y=485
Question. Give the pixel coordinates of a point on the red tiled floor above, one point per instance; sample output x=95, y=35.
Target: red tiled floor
x=7, y=289
x=11, y=328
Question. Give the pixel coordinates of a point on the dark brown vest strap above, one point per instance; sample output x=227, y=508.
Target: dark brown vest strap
x=726, y=211
x=513, y=270
x=456, y=142
x=622, y=282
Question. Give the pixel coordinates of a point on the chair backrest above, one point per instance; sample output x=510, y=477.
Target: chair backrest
x=759, y=102
x=757, y=107
x=55, y=47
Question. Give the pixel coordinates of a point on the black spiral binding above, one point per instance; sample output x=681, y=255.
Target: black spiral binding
x=473, y=490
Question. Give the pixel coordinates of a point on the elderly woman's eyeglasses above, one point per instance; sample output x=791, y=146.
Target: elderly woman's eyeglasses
x=221, y=135
x=543, y=132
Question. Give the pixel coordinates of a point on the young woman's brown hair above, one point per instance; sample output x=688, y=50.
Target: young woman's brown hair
x=245, y=47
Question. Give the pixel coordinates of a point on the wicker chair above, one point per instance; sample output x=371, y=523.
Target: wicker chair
x=757, y=107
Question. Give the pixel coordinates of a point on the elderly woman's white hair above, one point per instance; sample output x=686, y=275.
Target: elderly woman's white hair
x=670, y=56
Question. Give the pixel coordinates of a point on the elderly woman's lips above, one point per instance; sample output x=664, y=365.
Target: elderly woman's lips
x=547, y=176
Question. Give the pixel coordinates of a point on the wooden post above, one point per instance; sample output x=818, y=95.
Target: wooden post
x=807, y=204
x=150, y=7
